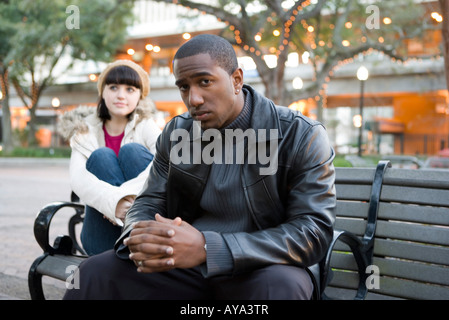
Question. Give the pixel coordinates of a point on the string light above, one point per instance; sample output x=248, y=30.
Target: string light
x=284, y=43
x=436, y=16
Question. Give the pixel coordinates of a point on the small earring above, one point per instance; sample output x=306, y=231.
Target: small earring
x=237, y=91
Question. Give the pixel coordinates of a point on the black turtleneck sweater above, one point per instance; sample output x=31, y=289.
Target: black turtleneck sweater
x=224, y=209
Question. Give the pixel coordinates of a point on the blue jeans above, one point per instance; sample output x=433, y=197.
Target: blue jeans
x=99, y=234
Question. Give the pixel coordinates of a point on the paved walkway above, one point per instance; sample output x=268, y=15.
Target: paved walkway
x=26, y=185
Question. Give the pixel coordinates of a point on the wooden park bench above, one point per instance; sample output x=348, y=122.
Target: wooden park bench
x=391, y=238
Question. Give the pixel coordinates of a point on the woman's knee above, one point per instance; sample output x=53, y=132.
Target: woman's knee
x=133, y=159
x=103, y=163
x=102, y=153
x=131, y=150
x=99, y=157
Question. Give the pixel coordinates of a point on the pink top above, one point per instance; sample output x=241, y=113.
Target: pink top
x=113, y=142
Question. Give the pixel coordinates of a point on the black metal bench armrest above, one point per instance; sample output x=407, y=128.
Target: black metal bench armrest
x=42, y=227
x=357, y=249
x=362, y=249
x=373, y=209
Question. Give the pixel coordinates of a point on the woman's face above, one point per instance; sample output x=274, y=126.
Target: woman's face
x=121, y=99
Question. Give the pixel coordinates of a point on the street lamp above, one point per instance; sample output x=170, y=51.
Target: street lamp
x=297, y=83
x=362, y=75
x=55, y=102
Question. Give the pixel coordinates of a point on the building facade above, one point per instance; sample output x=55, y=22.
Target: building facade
x=405, y=105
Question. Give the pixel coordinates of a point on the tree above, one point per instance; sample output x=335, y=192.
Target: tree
x=7, y=30
x=49, y=32
x=444, y=4
x=246, y=19
x=261, y=27
x=346, y=29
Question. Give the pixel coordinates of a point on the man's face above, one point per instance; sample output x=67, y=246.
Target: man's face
x=210, y=94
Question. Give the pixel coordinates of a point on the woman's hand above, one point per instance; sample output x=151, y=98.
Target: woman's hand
x=123, y=206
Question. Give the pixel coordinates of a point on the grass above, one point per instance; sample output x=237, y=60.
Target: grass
x=340, y=161
x=37, y=152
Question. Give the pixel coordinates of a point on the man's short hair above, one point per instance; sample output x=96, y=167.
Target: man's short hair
x=218, y=48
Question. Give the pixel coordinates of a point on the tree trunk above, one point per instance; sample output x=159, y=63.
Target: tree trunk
x=6, y=115
x=32, y=141
x=445, y=31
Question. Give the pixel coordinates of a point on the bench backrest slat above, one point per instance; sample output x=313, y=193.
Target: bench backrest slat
x=412, y=251
x=415, y=195
x=414, y=213
x=413, y=270
x=412, y=232
x=393, y=287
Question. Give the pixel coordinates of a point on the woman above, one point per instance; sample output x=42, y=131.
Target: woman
x=112, y=150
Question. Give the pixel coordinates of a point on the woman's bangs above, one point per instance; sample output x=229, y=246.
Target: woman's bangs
x=123, y=75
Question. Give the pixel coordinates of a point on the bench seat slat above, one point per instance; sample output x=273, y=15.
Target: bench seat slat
x=56, y=265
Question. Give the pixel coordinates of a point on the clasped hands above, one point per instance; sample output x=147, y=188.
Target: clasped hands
x=163, y=244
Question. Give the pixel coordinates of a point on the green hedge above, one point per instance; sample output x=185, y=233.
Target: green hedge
x=39, y=152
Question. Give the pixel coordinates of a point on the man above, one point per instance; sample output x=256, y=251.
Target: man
x=243, y=226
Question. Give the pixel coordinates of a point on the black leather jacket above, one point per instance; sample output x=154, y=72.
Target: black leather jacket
x=293, y=208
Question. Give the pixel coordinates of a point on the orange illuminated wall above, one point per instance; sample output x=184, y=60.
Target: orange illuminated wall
x=426, y=124
x=173, y=108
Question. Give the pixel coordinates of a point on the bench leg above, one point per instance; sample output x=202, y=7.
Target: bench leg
x=35, y=280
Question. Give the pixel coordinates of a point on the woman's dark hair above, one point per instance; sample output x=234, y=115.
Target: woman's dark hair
x=118, y=75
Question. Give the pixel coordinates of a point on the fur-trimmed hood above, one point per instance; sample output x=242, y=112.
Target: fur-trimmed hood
x=76, y=120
